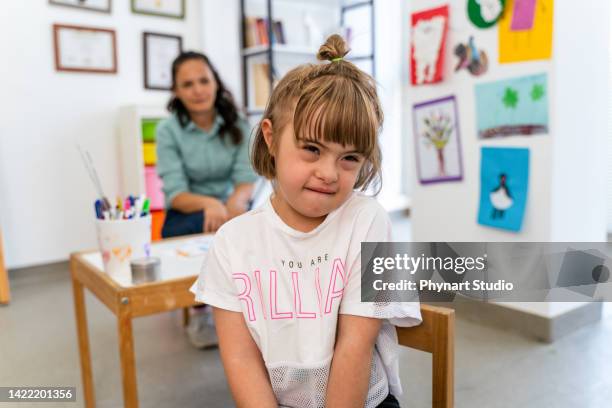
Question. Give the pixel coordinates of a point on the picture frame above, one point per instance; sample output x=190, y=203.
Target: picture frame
x=437, y=141
x=160, y=8
x=85, y=49
x=103, y=6
x=159, y=51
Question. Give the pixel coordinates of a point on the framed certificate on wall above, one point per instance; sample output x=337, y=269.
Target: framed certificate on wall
x=94, y=5
x=85, y=49
x=162, y=8
x=159, y=50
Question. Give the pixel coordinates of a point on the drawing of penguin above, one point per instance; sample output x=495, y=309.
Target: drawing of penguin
x=500, y=197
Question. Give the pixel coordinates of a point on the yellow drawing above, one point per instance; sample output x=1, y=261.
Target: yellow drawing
x=527, y=45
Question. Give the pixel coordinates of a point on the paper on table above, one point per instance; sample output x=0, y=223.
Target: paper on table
x=193, y=247
x=173, y=264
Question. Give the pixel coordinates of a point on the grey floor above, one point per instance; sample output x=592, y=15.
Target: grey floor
x=493, y=368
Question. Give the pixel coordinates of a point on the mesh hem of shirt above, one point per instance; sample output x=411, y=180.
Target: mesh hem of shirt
x=299, y=387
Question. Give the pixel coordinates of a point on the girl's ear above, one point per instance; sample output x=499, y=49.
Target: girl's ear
x=266, y=129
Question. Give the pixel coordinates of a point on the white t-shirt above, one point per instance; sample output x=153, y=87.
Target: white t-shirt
x=290, y=287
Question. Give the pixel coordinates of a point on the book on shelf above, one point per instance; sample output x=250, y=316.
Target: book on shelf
x=261, y=82
x=279, y=33
x=250, y=32
x=256, y=32
x=262, y=31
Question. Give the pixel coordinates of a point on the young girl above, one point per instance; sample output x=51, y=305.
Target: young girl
x=284, y=279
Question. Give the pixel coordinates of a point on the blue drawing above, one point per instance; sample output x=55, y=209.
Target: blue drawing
x=504, y=178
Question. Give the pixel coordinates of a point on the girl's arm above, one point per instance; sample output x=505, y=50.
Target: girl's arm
x=244, y=367
x=349, y=375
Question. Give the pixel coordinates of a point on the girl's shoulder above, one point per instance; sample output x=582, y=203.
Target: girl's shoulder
x=361, y=206
x=242, y=227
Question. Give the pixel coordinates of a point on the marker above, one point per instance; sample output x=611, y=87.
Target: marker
x=145, y=208
x=98, y=207
x=105, y=203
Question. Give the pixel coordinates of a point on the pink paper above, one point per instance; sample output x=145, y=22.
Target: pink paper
x=523, y=15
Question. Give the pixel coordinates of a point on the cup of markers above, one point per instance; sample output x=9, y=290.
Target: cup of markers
x=124, y=234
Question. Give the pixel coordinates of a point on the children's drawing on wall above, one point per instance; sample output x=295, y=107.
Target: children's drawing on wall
x=429, y=29
x=485, y=13
x=523, y=15
x=526, y=31
x=471, y=58
x=504, y=178
x=438, y=148
x=511, y=107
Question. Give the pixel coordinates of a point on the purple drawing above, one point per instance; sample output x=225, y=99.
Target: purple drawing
x=437, y=144
x=523, y=15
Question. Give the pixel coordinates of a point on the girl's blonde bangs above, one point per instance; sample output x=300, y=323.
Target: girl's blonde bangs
x=337, y=110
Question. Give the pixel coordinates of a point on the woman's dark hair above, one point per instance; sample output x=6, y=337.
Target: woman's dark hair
x=224, y=101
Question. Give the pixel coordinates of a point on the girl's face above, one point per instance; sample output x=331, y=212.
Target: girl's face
x=313, y=177
x=196, y=86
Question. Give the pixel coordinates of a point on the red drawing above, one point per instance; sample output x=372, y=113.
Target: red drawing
x=429, y=30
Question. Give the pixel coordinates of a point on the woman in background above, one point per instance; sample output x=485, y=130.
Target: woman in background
x=203, y=161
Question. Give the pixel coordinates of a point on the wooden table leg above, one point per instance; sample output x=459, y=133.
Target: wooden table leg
x=81, y=323
x=5, y=293
x=186, y=317
x=126, y=353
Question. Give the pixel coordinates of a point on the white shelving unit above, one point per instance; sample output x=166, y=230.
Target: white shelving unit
x=134, y=170
x=281, y=48
x=306, y=24
x=131, y=145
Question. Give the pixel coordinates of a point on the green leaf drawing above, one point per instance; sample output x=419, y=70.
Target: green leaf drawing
x=510, y=98
x=537, y=92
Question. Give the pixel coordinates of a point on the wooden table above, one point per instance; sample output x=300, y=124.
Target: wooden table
x=5, y=293
x=127, y=302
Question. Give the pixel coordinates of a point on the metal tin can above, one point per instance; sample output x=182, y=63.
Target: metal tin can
x=145, y=270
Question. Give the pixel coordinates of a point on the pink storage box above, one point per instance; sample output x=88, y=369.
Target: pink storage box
x=154, y=188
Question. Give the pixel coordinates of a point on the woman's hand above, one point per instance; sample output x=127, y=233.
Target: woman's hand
x=236, y=207
x=215, y=214
x=238, y=202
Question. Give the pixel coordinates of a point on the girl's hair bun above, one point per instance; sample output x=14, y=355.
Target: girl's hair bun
x=335, y=47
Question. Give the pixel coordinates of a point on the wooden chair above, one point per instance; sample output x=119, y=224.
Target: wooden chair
x=5, y=294
x=436, y=335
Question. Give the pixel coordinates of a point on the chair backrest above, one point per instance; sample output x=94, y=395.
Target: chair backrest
x=435, y=335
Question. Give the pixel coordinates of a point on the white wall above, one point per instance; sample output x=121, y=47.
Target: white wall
x=448, y=211
x=582, y=68
x=46, y=198
x=567, y=189
x=566, y=182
